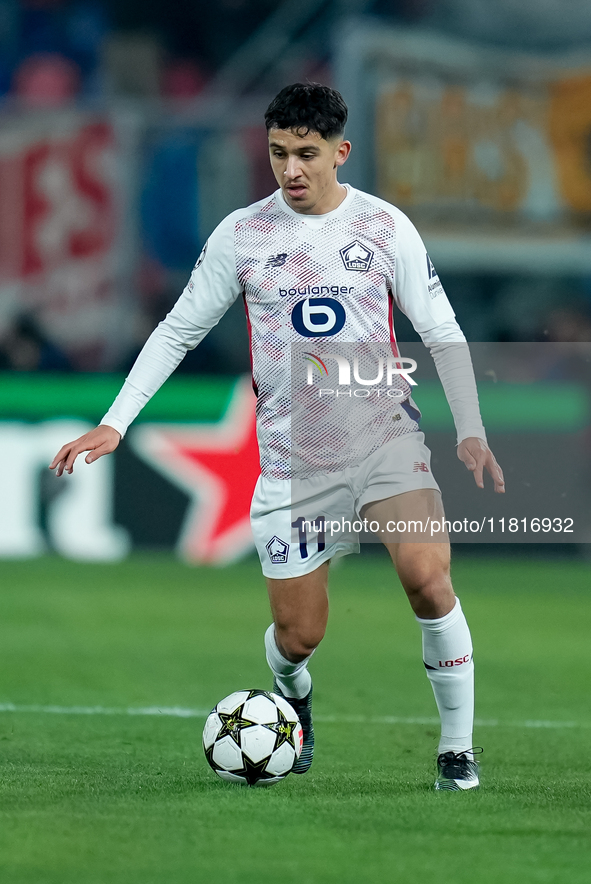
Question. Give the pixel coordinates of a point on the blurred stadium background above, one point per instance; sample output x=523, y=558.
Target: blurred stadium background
x=128, y=130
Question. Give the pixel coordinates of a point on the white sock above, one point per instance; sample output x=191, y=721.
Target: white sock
x=447, y=654
x=293, y=678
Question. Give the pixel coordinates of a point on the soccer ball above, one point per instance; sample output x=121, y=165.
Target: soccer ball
x=253, y=738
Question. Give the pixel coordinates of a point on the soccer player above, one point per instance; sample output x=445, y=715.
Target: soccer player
x=313, y=236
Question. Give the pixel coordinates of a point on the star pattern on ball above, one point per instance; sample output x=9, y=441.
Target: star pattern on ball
x=284, y=730
x=232, y=724
x=253, y=772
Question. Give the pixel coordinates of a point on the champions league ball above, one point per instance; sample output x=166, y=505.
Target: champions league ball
x=253, y=738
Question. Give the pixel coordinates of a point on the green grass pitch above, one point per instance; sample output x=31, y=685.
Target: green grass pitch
x=129, y=799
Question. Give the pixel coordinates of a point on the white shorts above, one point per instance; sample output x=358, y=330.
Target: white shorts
x=280, y=523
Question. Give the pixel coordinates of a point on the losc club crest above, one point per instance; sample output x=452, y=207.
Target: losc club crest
x=356, y=256
x=278, y=550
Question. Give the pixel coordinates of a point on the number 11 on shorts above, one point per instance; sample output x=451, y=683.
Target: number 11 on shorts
x=318, y=525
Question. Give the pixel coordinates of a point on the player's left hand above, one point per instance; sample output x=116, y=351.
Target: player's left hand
x=477, y=456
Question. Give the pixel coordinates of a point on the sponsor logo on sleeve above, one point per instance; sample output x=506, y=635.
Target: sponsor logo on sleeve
x=434, y=287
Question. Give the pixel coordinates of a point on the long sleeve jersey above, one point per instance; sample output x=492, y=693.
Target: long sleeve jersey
x=313, y=280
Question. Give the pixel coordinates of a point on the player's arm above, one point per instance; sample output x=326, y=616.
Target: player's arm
x=452, y=359
x=212, y=288
x=420, y=295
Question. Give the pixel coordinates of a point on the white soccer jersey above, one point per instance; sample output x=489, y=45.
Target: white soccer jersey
x=304, y=278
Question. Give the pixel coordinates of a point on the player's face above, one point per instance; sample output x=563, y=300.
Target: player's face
x=305, y=167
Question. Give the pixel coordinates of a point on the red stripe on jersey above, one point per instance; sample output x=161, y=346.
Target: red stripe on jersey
x=249, y=327
x=395, y=350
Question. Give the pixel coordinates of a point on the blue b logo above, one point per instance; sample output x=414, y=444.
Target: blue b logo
x=318, y=317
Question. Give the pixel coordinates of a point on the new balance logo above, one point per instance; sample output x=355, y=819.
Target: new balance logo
x=276, y=260
x=420, y=467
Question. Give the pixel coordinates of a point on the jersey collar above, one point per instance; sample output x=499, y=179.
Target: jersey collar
x=315, y=220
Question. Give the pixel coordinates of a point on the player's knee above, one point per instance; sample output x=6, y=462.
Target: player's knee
x=426, y=578
x=432, y=593
x=431, y=596
x=297, y=643
x=427, y=581
x=420, y=569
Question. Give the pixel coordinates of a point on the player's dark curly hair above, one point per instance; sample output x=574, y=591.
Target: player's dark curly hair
x=308, y=107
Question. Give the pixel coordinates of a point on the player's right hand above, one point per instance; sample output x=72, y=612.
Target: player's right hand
x=101, y=440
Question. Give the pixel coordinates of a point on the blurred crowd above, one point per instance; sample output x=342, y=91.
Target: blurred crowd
x=25, y=346
x=57, y=52
x=52, y=51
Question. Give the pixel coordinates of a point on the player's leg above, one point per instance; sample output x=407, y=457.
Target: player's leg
x=300, y=614
x=424, y=571
x=288, y=528
x=294, y=551
x=447, y=645
x=421, y=560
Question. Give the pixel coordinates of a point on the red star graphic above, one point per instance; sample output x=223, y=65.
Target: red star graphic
x=218, y=466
